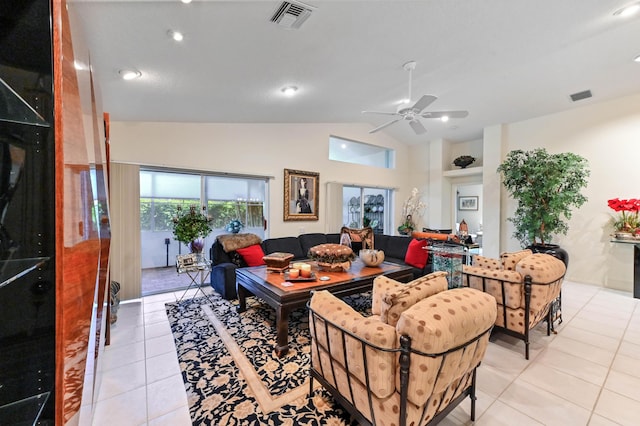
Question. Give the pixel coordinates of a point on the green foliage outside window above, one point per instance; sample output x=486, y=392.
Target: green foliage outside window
x=156, y=214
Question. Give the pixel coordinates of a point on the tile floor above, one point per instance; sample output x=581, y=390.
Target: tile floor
x=587, y=374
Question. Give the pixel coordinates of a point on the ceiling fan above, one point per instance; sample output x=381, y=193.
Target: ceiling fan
x=414, y=113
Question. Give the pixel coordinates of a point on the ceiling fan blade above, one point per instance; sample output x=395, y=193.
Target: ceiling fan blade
x=423, y=102
x=380, y=112
x=440, y=114
x=417, y=127
x=388, y=123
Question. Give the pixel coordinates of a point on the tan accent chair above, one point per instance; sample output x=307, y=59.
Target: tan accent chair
x=411, y=362
x=526, y=286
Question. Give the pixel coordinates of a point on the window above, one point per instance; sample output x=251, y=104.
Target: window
x=367, y=207
x=349, y=151
x=226, y=197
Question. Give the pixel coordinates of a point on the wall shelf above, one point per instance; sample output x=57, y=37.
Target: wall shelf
x=469, y=171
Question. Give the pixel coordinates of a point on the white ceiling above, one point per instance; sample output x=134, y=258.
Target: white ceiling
x=502, y=60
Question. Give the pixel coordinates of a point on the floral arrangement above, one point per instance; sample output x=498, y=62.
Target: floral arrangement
x=411, y=208
x=628, y=220
x=192, y=224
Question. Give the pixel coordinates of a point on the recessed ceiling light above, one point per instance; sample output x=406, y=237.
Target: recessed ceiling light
x=628, y=10
x=129, y=74
x=637, y=58
x=444, y=118
x=289, y=90
x=175, y=35
x=186, y=1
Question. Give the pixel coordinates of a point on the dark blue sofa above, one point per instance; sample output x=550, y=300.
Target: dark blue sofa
x=223, y=273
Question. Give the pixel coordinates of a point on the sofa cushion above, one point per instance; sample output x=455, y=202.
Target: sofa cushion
x=284, y=245
x=396, y=247
x=309, y=240
x=417, y=253
x=401, y=297
x=252, y=255
x=509, y=260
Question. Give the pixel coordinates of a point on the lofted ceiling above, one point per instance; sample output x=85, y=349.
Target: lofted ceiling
x=501, y=60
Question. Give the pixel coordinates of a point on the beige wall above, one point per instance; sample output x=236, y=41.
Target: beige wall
x=606, y=134
x=264, y=149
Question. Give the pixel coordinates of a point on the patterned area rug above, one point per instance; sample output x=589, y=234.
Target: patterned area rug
x=231, y=373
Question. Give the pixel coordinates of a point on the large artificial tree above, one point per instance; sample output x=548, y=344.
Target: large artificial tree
x=547, y=188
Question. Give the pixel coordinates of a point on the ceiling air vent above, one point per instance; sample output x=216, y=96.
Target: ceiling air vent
x=581, y=95
x=291, y=15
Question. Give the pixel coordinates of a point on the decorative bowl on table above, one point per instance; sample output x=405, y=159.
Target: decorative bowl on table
x=332, y=257
x=372, y=257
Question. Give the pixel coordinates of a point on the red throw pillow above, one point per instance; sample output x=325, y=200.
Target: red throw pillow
x=417, y=255
x=252, y=255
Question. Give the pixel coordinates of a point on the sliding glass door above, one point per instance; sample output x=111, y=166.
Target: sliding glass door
x=226, y=199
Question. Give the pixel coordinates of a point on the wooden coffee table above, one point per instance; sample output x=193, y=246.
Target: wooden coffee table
x=271, y=287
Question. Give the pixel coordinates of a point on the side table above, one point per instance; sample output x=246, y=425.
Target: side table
x=636, y=264
x=197, y=268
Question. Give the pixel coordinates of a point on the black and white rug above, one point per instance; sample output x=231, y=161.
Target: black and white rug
x=231, y=373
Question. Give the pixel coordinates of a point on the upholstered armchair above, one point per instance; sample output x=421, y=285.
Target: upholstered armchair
x=411, y=362
x=526, y=286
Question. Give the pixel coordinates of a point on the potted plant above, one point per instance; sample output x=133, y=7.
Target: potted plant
x=547, y=187
x=191, y=227
x=627, y=224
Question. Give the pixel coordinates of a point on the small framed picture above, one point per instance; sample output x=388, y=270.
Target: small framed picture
x=468, y=203
x=185, y=261
x=301, y=195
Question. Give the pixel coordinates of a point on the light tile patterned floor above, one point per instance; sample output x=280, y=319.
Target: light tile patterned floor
x=587, y=374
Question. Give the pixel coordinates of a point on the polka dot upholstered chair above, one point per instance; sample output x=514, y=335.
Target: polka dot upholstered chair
x=410, y=362
x=526, y=286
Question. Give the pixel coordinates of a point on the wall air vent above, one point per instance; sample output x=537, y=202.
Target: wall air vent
x=291, y=15
x=581, y=95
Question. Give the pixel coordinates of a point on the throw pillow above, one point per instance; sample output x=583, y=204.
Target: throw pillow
x=402, y=297
x=252, y=255
x=236, y=259
x=416, y=255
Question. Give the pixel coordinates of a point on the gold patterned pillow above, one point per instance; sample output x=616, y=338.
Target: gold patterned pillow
x=486, y=262
x=405, y=296
x=509, y=260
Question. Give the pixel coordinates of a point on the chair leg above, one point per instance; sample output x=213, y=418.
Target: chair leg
x=311, y=387
x=473, y=397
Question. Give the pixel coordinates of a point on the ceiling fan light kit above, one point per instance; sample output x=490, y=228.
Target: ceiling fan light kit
x=412, y=114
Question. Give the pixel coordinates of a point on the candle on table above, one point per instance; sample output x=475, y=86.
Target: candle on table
x=305, y=270
x=294, y=273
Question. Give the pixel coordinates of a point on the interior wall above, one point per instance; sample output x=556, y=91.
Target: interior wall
x=606, y=134
x=263, y=149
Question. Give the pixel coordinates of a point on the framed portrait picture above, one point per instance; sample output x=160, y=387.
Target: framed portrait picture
x=301, y=195
x=467, y=203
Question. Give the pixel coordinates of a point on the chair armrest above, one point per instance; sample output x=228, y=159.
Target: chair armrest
x=223, y=280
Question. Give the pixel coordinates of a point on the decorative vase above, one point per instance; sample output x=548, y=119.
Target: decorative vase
x=196, y=245
x=463, y=161
x=371, y=257
x=553, y=250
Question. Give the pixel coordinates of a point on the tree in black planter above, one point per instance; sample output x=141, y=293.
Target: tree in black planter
x=547, y=187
